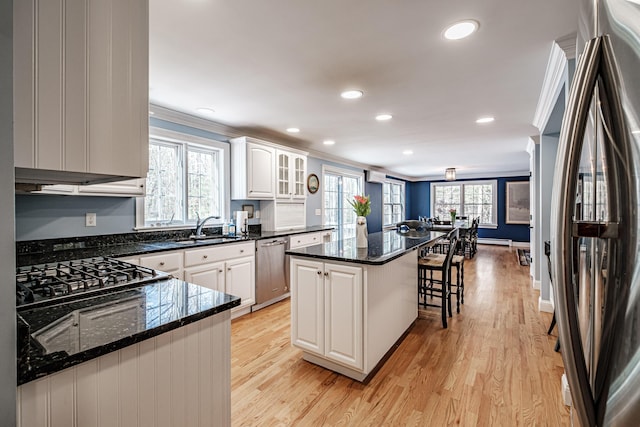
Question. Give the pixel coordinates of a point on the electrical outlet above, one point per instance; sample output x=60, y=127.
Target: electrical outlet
x=90, y=220
x=318, y=212
x=256, y=214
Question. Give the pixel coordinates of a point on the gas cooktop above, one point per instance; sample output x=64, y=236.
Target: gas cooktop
x=55, y=282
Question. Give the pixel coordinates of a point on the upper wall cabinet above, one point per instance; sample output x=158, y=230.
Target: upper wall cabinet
x=263, y=170
x=252, y=169
x=81, y=90
x=292, y=168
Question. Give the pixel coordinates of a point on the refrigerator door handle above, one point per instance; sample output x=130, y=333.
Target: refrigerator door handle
x=565, y=182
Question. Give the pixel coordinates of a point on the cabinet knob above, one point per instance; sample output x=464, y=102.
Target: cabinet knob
x=220, y=271
x=319, y=272
x=228, y=268
x=205, y=256
x=241, y=250
x=326, y=273
x=161, y=262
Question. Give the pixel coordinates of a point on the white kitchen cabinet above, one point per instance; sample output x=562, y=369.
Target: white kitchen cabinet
x=211, y=276
x=252, y=169
x=309, y=239
x=168, y=262
x=327, y=310
x=80, y=90
x=227, y=268
x=280, y=215
x=291, y=172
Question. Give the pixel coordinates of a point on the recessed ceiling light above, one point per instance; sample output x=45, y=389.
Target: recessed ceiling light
x=206, y=111
x=461, y=29
x=352, y=94
x=407, y=152
x=482, y=120
x=383, y=117
x=329, y=142
x=293, y=130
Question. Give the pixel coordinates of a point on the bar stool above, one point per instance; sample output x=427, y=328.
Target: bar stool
x=431, y=287
x=457, y=261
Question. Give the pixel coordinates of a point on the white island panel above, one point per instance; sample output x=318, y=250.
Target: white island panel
x=129, y=387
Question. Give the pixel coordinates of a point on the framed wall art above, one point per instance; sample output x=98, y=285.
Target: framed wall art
x=518, y=204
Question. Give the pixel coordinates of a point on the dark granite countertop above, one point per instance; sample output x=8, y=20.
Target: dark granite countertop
x=55, y=337
x=130, y=244
x=383, y=247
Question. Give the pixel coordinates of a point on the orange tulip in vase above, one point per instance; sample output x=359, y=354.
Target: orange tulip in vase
x=362, y=207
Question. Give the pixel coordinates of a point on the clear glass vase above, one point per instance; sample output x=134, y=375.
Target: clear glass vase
x=362, y=240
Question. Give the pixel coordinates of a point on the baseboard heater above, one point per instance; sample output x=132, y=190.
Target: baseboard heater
x=503, y=242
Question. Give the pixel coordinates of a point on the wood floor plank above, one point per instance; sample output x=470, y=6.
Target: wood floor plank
x=494, y=365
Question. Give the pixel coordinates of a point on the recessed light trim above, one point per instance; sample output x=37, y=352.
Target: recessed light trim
x=407, y=152
x=293, y=130
x=352, y=94
x=383, y=117
x=205, y=110
x=484, y=120
x=328, y=142
x=461, y=29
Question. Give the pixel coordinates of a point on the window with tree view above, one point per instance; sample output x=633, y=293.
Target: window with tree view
x=184, y=181
x=470, y=199
x=392, y=202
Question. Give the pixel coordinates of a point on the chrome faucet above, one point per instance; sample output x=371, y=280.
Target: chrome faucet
x=199, y=224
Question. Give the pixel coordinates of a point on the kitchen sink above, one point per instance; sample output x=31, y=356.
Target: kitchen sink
x=209, y=239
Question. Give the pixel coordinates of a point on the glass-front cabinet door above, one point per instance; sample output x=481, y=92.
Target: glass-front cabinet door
x=284, y=170
x=292, y=169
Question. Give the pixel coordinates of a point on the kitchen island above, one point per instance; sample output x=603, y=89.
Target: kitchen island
x=350, y=306
x=152, y=354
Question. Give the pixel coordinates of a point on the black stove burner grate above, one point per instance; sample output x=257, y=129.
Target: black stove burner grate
x=48, y=281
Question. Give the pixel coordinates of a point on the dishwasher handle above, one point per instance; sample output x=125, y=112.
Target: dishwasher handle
x=274, y=243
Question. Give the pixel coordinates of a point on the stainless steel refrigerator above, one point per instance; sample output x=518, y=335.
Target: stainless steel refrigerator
x=595, y=220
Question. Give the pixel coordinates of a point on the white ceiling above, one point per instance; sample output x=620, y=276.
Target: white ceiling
x=268, y=65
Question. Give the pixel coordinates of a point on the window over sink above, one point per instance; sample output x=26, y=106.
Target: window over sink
x=188, y=176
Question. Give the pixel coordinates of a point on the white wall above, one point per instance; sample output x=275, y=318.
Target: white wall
x=7, y=245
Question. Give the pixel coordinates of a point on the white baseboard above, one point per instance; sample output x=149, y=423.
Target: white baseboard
x=566, y=393
x=503, y=242
x=536, y=284
x=521, y=245
x=545, y=305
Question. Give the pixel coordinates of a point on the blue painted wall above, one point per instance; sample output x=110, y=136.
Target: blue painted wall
x=374, y=220
x=419, y=204
x=52, y=216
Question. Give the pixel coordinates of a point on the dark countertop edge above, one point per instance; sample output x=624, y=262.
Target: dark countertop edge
x=57, y=365
x=416, y=244
x=383, y=261
x=148, y=247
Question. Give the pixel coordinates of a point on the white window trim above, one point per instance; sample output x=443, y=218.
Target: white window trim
x=179, y=137
x=340, y=171
x=494, y=185
x=404, y=202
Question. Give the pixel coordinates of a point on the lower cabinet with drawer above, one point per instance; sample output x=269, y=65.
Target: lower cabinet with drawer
x=309, y=239
x=226, y=268
x=169, y=262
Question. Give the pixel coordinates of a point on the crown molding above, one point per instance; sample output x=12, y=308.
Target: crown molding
x=562, y=50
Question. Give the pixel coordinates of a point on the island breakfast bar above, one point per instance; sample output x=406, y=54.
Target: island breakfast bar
x=350, y=306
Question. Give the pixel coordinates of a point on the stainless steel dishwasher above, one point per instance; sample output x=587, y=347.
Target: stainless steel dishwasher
x=272, y=275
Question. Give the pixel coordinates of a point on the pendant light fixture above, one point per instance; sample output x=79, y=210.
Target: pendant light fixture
x=450, y=174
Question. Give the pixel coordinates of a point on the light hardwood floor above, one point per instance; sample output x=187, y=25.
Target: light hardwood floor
x=493, y=366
